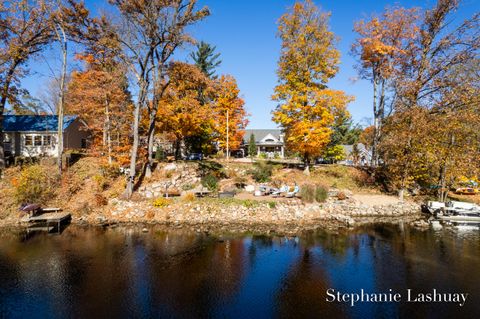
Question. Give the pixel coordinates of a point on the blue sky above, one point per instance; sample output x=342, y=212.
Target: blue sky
x=244, y=32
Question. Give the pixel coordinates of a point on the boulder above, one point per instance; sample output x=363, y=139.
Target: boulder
x=170, y=167
x=250, y=188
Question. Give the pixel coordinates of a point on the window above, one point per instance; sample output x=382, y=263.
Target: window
x=47, y=140
x=38, y=140
x=28, y=140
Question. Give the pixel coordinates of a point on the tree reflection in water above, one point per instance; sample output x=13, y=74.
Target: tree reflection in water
x=123, y=272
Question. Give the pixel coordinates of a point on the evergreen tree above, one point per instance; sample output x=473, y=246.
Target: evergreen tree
x=252, y=146
x=206, y=59
x=344, y=131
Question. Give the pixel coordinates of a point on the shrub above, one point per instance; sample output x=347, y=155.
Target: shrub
x=35, y=185
x=310, y=193
x=307, y=193
x=187, y=187
x=272, y=205
x=210, y=181
x=211, y=168
x=262, y=172
x=248, y=203
x=189, y=197
x=240, y=182
x=101, y=181
x=100, y=200
x=161, y=202
x=262, y=155
x=160, y=154
x=219, y=155
x=111, y=171
x=321, y=193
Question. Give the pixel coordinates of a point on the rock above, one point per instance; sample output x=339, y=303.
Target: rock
x=145, y=230
x=250, y=188
x=170, y=167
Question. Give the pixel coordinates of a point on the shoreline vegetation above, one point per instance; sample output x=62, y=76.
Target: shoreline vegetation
x=93, y=195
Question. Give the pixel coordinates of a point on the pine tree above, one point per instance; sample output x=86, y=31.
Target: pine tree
x=206, y=59
x=252, y=146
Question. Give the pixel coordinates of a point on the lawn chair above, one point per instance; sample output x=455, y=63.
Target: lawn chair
x=293, y=193
x=279, y=191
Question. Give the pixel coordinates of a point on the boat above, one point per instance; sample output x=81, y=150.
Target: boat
x=454, y=211
x=466, y=191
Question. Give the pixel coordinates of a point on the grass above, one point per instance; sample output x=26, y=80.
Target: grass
x=248, y=203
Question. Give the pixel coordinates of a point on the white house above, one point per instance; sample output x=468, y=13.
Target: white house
x=270, y=142
x=36, y=135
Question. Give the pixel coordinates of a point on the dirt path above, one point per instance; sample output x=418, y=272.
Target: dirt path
x=374, y=199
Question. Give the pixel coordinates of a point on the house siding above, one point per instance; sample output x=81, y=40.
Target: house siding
x=74, y=134
x=72, y=139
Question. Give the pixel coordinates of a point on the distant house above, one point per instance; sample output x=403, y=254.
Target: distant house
x=359, y=156
x=36, y=135
x=270, y=142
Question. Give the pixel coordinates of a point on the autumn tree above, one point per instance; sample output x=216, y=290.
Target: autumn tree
x=380, y=48
x=206, y=59
x=149, y=34
x=25, y=31
x=366, y=137
x=308, y=60
x=181, y=113
x=230, y=116
x=100, y=93
x=422, y=84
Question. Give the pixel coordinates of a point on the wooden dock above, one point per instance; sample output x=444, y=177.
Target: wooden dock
x=55, y=218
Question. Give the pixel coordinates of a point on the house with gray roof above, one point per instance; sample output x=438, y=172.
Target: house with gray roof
x=270, y=142
x=37, y=135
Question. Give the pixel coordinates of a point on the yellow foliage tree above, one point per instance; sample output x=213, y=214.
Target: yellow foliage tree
x=308, y=60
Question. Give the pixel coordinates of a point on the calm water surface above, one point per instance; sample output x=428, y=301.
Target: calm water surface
x=125, y=273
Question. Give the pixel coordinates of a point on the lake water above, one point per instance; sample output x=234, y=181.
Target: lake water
x=125, y=273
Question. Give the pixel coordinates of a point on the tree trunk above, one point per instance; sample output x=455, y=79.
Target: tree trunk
x=401, y=194
x=63, y=41
x=177, y=149
x=133, y=154
x=107, y=132
x=375, y=122
x=151, y=134
x=3, y=102
x=306, y=162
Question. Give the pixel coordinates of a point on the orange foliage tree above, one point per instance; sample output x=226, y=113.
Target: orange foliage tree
x=100, y=94
x=180, y=111
x=227, y=100
x=307, y=107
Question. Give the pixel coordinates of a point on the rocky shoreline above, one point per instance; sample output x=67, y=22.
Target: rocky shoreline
x=287, y=217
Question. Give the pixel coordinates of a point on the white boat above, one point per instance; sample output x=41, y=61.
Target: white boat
x=454, y=211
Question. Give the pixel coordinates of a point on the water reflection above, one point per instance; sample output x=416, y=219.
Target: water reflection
x=123, y=272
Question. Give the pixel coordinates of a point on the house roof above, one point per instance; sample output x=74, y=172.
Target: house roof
x=260, y=134
x=35, y=123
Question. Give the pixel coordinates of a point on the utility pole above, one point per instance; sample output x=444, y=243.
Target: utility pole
x=228, y=155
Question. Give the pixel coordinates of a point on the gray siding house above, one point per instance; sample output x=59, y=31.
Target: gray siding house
x=36, y=135
x=270, y=142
